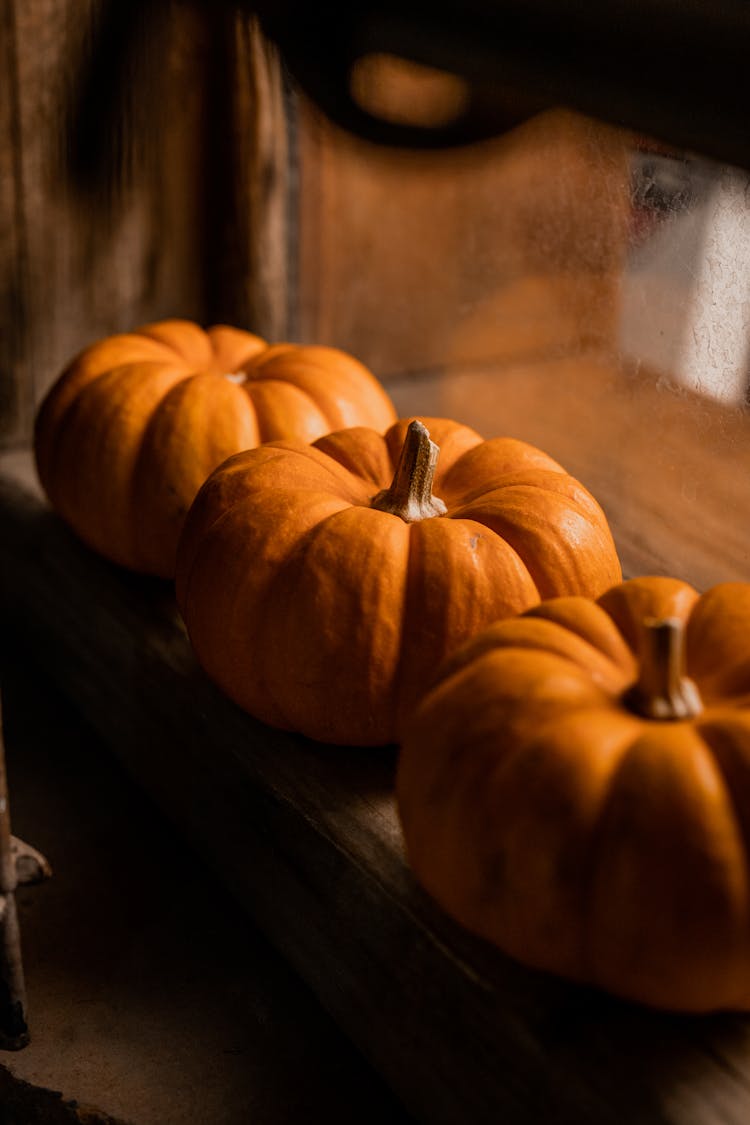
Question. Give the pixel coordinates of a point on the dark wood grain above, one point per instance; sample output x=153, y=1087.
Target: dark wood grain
x=76, y=269
x=16, y=389
x=150, y=995
x=221, y=201
x=307, y=839
x=186, y=206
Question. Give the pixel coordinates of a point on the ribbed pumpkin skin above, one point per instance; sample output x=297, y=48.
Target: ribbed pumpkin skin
x=547, y=817
x=130, y=431
x=319, y=614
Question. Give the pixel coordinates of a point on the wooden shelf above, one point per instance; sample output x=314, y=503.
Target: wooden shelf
x=151, y=995
x=306, y=836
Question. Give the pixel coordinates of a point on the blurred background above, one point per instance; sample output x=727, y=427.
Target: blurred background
x=574, y=270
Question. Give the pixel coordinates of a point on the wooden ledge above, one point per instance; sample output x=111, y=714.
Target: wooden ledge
x=306, y=838
x=670, y=467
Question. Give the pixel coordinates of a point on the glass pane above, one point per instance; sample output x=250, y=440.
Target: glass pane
x=571, y=284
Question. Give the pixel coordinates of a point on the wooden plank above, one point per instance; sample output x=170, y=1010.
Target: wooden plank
x=247, y=153
x=198, y=224
x=150, y=995
x=306, y=835
x=258, y=202
x=75, y=268
x=15, y=386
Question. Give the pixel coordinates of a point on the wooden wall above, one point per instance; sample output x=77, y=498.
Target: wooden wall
x=234, y=202
x=76, y=265
x=167, y=231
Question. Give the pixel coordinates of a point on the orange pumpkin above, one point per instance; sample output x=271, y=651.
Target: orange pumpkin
x=130, y=431
x=576, y=789
x=322, y=585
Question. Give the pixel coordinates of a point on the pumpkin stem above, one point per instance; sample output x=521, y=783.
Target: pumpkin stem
x=410, y=494
x=662, y=690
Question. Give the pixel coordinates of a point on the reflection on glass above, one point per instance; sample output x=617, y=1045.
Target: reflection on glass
x=569, y=284
x=686, y=284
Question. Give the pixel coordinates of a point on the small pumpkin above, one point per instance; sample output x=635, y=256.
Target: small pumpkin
x=576, y=790
x=322, y=585
x=130, y=431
